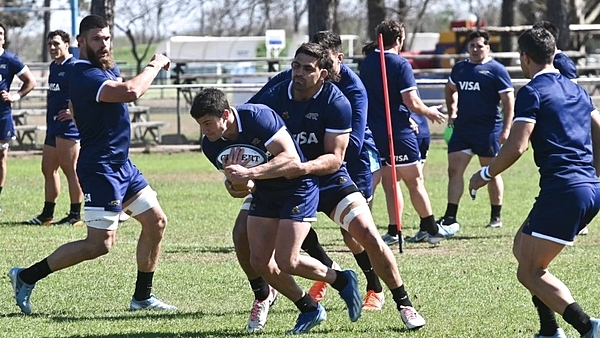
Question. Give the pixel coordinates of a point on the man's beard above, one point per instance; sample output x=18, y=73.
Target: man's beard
x=104, y=63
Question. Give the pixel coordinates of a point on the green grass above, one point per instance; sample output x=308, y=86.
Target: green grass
x=466, y=287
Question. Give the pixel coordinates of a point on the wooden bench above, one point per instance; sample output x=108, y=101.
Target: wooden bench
x=142, y=129
x=28, y=134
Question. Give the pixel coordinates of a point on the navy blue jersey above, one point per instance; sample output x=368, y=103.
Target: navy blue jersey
x=479, y=87
x=104, y=127
x=561, y=138
x=58, y=92
x=10, y=65
x=308, y=121
x=257, y=126
x=565, y=65
x=400, y=79
x=357, y=154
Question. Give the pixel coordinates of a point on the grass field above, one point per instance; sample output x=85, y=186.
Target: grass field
x=465, y=287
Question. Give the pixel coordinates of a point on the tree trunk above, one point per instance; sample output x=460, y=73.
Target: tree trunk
x=45, y=56
x=376, y=14
x=557, y=12
x=507, y=19
x=105, y=9
x=320, y=16
x=402, y=10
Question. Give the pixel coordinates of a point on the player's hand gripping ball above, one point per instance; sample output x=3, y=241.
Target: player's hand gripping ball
x=244, y=155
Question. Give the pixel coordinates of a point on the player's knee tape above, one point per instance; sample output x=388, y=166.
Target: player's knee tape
x=346, y=203
x=354, y=212
x=146, y=201
x=101, y=219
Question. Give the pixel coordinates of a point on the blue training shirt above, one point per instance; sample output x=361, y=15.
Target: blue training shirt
x=357, y=153
x=308, y=121
x=10, y=65
x=58, y=92
x=565, y=65
x=104, y=127
x=561, y=138
x=479, y=87
x=400, y=79
x=258, y=125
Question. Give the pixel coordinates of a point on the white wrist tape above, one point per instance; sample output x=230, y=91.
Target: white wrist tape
x=15, y=97
x=485, y=173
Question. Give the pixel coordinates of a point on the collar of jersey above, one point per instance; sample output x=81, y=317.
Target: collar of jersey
x=546, y=71
x=314, y=96
x=486, y=60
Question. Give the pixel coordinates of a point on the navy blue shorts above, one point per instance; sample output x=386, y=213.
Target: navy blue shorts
x=66, y=130
x=482, y=145
x=424, y=143
x=7, y=127
x=333, y=188
x=296, y=204
x=558, y=215
x=107, y=186
x=406, y=151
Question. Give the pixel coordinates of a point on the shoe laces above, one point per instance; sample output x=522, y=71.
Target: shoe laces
x=409, y=312
x=371, y=299
x=256, y=309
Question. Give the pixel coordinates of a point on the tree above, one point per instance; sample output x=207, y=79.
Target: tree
x=105, y=9
x=320, y=15
x=144, y=22
x=507, y=19
x=376, y=13
x=557, y=13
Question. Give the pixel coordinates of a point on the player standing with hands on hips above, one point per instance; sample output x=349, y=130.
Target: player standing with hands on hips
x=109, y=180
x=559, y=119
x=10, y=65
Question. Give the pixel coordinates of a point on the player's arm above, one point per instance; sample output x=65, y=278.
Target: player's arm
x=131, y=90
x=511, y=151
x=508, y=108
x=415, y=104
x=358, y=103
x=451, y=97
x=28, y=84
x=335, y=145
x=596, y=140
x=285, y=161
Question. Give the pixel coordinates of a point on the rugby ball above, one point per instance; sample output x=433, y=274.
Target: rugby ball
x=252, y=154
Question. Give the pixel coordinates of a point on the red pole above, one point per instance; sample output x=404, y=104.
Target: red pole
x=388, y=118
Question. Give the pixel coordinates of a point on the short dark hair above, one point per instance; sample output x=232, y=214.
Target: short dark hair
x=63, y=35
x=538, y=44
x=322, y=55
x=479, y=34
x=369, y=47
x=549, y=26
x=209, y=101
x=92, y=22
x=329, y=40
x=391, y=30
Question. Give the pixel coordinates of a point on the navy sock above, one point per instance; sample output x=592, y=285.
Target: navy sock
x=35, y=272
x=575, y=316
x=306, y=304
x=260, y=287
x=548, y=323
x=401, y=297
x=365, y=264
x=143, y=285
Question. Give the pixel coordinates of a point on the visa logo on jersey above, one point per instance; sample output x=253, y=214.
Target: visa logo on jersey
x=54, y=87
x=468, y=85
x=306, y=138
